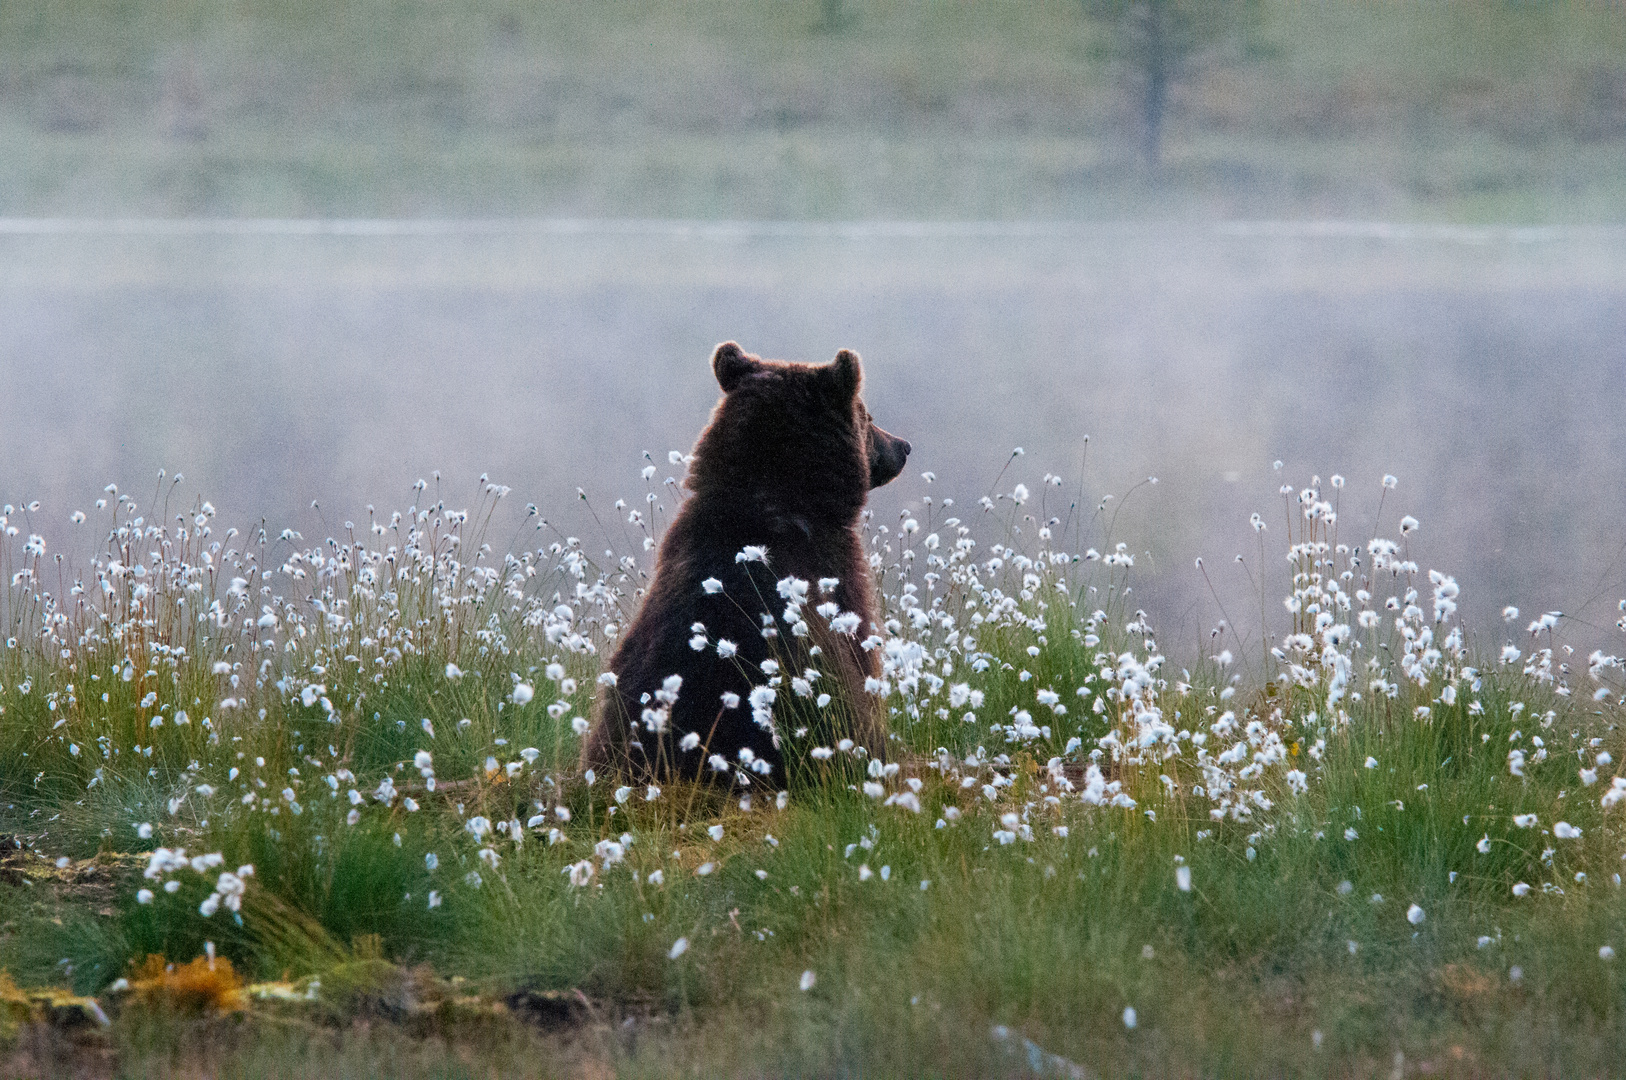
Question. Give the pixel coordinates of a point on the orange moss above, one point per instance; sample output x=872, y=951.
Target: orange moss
x=14, y=1004
x=203, y=985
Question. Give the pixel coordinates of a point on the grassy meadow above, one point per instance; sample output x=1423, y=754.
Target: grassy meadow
x=1468, y=110
x=274, y=806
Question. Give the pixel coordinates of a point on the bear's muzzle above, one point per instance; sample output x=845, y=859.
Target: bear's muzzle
x=887, y=455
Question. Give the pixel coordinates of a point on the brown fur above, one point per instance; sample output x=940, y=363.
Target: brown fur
x=786, y=463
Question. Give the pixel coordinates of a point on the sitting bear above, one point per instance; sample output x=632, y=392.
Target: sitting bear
x=761, y=580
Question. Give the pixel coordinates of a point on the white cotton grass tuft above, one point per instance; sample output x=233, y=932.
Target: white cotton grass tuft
x=809, y=979
x=679, y=947
x=1415, y=915
x=1130, y=1017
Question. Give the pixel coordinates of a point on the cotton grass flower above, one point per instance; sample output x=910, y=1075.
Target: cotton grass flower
x=808, y=979
x=679, y=947
x=1415, y=915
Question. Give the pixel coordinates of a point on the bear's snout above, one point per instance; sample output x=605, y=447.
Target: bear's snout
x=887, y=456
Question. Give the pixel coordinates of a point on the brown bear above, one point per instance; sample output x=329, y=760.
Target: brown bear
x=760, y=579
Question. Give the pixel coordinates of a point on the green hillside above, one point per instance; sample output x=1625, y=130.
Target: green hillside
x=726, y=108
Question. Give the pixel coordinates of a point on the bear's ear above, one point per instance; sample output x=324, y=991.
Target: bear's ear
x=730, y=364
x=845, y=374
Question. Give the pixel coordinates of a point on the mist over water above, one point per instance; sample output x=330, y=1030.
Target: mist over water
x=1485, y=369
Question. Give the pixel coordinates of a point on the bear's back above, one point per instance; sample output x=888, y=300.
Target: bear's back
x=685, y=629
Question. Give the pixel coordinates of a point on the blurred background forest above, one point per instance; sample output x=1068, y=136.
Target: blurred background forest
x=1359, y=238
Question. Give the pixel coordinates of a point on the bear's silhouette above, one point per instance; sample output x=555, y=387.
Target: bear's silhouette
x=779, y=479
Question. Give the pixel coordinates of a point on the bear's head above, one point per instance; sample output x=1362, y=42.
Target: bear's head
x=796, y=437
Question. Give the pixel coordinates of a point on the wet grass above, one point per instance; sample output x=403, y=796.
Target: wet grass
x=1263, y=859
